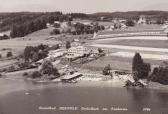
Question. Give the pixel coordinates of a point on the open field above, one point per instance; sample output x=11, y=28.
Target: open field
x=120, y=51
x=17, y=45
x=137, y=28
x=137, y=42
x=116, y=62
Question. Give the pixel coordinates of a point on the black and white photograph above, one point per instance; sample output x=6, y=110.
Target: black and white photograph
x=83, y=56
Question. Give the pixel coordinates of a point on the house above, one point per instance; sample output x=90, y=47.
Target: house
x=53, y=55
x=94, y=35
x=1, y=34
x=142, y=20
x=75, y=52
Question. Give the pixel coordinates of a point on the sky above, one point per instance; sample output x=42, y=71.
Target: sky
x=82, y=6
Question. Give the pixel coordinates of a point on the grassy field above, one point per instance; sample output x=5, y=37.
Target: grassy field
x=137, y=28
x=117, y=63
x=17, y=45
x=137, y=42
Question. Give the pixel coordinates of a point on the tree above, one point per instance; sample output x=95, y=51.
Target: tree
x=0, y=56
x=55, y=32
x=146, y=68
x=28, y=53
x=139, y=68
x=13, y=32
x=68, y=44
x=100, y=50
x=130, y=23
x=106, y=70
x=160, y=74
x=35, y=57
x=9, y=54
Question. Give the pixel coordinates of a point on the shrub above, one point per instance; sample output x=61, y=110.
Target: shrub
x=36, y=74
x=9, y=54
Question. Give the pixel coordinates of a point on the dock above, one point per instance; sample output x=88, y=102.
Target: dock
x=71, y=77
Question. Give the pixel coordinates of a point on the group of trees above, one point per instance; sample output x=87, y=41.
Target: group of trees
x=87, y=29
x=9, y=19
x=9, y=54
x=35, y=53
x=47, y=69
x=26, y=28
x=78, y=29
x=160, y=74
x=130, y=23
x=140, y=69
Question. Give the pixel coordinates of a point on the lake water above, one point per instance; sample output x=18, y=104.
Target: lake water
x=78, y=99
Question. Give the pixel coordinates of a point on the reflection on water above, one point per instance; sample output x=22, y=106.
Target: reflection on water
x=68, y=95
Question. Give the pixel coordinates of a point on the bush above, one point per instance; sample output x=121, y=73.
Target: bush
x=36, y=74
x=9, y=54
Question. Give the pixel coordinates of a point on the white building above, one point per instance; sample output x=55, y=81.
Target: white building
x=78, y=51
x=56, y=53
x=142, y=20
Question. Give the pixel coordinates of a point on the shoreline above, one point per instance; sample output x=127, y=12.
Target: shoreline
x=116, y=83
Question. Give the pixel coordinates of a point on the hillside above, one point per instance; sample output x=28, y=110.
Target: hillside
x=132, y=14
